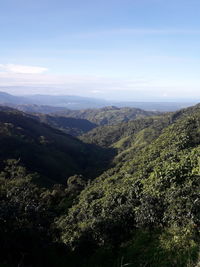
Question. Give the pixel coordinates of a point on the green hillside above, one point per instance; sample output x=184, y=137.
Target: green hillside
x=108, y=115
x=124, y=132
x=142, y=210
x=78, y=122
x=147, y=207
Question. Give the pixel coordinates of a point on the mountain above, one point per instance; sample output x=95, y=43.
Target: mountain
x=70, y=126
x=8, y=98
x=79, y=102
x=33, y=108
x=67, y=101
x=108, y=115
x=72, y=102
x=145, y=210
x=157, y=106
x=77, y=122
x=124, y=133
x=46, y=150
x=129, y=193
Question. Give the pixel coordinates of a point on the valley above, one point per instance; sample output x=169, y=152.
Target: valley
x=125, y=189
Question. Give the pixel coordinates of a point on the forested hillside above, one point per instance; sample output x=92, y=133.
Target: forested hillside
x=108, y=115
x=46, y=150
x=124, y=132
x=147, y=207
x=78, y=122
x=142, y=211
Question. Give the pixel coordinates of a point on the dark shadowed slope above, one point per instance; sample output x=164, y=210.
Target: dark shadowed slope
x=48, y=151
x=70, y=126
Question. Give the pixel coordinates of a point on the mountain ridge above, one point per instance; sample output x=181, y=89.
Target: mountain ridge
x=80, y=102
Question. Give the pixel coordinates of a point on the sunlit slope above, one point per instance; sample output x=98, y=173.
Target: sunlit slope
x=153, y=187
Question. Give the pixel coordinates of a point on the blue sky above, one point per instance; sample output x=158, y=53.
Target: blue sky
x=114, y=49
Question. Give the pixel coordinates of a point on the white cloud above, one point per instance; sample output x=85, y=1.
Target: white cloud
x=96, y=92
x=22, y=69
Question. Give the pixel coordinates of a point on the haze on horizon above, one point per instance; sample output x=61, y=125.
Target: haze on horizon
x=115, y=49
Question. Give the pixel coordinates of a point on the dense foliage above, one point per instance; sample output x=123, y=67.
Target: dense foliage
x=28, y=236
x=142, y=211
x=153, y=190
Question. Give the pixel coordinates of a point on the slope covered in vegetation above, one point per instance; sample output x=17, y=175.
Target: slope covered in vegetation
x=70, y=126
x=121, y=134
x=142, y=211
x=108, y=115
x=145, y=209
x=46, y=150
x=78, y=122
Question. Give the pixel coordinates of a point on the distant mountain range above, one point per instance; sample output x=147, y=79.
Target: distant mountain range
x=67, y=101
x=44, y=102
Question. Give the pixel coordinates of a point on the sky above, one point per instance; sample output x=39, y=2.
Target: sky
x=111, y=49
